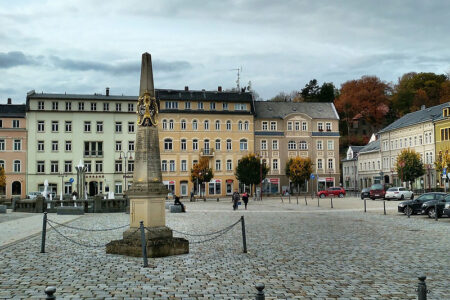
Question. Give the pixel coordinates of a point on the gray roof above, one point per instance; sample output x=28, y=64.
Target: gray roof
x=424, y=115
x=356, y=149
x=279, y=110
x=371, y=147
x=12, y=110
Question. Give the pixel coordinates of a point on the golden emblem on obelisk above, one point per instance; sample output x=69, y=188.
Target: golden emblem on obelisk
x=147, y=110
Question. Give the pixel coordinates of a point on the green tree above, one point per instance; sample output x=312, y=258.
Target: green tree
x=328, y=92
x=2, y=181
x=298, y=169
x=311, y=91
x=201, y=172
x=409, y=166
x=250, y=171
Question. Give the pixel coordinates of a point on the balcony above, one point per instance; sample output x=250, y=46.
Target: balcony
x=207, y=152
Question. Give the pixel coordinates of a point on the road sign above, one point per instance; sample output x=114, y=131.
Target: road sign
x=444, y=171
x=71, y=180
x=312, y=176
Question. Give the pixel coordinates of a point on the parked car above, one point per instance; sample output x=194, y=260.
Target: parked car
x=377, y=191
x=335, y=191
x=415, y=206
x=429, y=207
x=365, y=193
x=32, y=195
x=447, y=210
x=398, y=193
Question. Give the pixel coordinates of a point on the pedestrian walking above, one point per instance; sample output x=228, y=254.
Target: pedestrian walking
x=245, y=199
x=235, y=198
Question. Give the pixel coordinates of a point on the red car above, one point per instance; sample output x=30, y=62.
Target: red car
x=377, y=191
x=333, y=191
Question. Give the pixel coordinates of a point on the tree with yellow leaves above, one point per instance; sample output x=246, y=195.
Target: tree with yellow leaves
x=201, y=172
x=298, y=169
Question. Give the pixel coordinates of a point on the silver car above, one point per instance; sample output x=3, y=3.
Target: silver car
x=398, y=193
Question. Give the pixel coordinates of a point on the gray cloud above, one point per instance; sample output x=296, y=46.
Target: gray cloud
x=16, y=58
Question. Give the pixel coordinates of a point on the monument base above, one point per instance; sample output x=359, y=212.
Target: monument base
x=69, y=210
x=160, y=243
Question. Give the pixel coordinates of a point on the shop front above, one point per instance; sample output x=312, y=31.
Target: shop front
x=325, y=182
x=271, y=186
x=170, y=185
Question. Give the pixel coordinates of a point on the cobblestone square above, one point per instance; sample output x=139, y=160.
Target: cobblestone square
x=297, y=251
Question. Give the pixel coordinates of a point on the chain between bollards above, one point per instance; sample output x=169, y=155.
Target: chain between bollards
x=143, y=243
x=244, y=237
x=44, y=232
x=49, y=291
x=260, y=295
x=422, y=289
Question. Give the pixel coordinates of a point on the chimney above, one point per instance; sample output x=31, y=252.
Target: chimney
x=186, y=88
x=219, y=88
x=9, y=101
x=107, y=91
x=422, y=107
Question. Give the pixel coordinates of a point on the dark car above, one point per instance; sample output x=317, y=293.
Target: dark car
x=365, y=193
x=335, y=191
x=377, y=191
x=447, y=210
x=415, y=206
x=429, y=207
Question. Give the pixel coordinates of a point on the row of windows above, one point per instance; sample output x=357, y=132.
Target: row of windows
x=68, y=166
x=17, y=165
x=91, y=148
x=17, y=145
x=302, y=145
x=82, y=106
x=169, y=125
x=409, y=141
x=86, y=126
x=330, y=164
x=168, y=144
x=15, y=123
x=349, y=170
x=202, y=106
x=295, y=125
x=445, y=134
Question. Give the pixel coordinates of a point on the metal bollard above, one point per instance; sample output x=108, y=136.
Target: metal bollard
x=365, y=206
x=297, y=199
x=44, y=232
x=384, y=206
x=260, y=295
x=244, y=238
x=408, y=212
x=144, y=244
x=422, y=288
x=50, y=291
x=306, y=202
x=331, y=202
x=435, y=211
x=318, y=201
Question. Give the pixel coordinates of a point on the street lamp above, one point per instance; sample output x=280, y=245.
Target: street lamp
x=62, y=175
x=81, y=171
x=125, y=154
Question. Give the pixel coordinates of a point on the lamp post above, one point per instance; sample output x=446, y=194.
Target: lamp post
x=81, y=171
x=62, y=175
x=125, y=155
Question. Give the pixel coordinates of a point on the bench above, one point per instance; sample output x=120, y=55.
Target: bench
x=176, y=209
x=2, y=209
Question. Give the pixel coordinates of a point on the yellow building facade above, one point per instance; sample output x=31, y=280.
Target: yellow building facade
x=442, y=135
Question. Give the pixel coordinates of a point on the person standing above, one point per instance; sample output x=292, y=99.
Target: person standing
x=236, y=197
x=245, y=199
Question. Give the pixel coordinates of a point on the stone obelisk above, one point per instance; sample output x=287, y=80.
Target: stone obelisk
x=147, y=194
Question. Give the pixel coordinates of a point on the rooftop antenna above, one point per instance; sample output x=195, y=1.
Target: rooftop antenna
x=238, y=81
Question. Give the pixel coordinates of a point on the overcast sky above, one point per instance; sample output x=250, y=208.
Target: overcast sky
x=83, y=46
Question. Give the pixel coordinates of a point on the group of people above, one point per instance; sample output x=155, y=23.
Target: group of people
x=236, y=198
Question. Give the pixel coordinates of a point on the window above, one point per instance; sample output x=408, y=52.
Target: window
x=87, y=126
x=218, y=165
x=118, y=106
x=171, y=105
x=217, y=125
x=228, y=125
x=172, y=166
x=273, y=126
x=118, y=145
x=55, y=126
x=265, y=125
x=246, y=126
x=15, y=123
x=297, y=126
x=130, y=107
x=98, y=166
x=225, y=106
x=194, y=162
x=130, y=127
x=68, y=166
x=275, y=164
x=105, y=106
x=118, y=166
x=240, y=125
x=330, y=163
x=131, y=166
x=1, y=123
x=118, y=127
x=206, y=125
x=68, y=126
x=93, y=106
x=17, y=145
x=41, y=105
x=171, y=125
x=274, y=144
x=292, y=145
x=319, y=145
x=228, y=144
x=40, y=166
x=183, y=144
x=2, y=145
x=200, y=105
x=187, y=105
x=330, y=145
x=183, y=124
x=194, y=144
x=168, y=144
x=263, y=145
x=194, y=124
x=93, y=148
x=164, y=166
x=68, y=105
x=88, y=165
x=240, y=106
x=16, y=166
x=320, y=126
x=118, y=187
x=68, y=146
x=80, y=105
x=243, y=144
x=289, y=126
x=229, y=165
x=130, y=145
x=319, y=164
x=40, y=126
x=410, y=141
x=302, y=145
x=218, y=144
x=304, y=126
x=55, y=146
x=164, y=124
x=54, y=166
x=328, y=126
x=99, y=126
x=54, y=105
x=212, y=106
x=40, y=146
x=183, y=165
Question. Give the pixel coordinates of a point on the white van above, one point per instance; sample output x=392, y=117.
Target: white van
x=32, y=195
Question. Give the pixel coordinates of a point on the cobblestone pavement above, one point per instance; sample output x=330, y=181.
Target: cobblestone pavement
x=298, y=252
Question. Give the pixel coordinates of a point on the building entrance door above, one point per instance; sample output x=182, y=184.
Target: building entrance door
x=93, y=188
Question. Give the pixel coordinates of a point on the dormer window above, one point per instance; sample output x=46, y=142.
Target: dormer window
x=445, y=112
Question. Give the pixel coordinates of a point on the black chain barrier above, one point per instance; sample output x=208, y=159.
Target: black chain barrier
x=206, y=234
x=86, y=229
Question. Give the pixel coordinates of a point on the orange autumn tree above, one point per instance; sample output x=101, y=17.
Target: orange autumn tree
x=298, y=169
x=201, y=172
